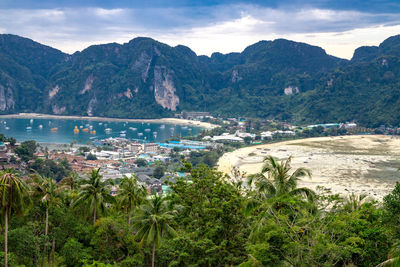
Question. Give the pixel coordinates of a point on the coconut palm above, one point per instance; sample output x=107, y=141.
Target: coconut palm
x=47, y=190
x=71, y=181
x=277, y=179
x=95, y=193
x=354, y=202
x=13, y=193
x=152, y=223
x=130, y=195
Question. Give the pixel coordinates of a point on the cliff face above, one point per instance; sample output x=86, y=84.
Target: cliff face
x=146, y=79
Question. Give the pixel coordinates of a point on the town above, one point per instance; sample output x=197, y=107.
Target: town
x=155, y=165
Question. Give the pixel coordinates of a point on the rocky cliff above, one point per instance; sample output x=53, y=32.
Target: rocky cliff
x=145, y=79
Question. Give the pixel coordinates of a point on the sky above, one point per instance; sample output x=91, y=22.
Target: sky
x=338, y=26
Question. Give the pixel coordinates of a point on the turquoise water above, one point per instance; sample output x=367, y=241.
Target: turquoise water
x=40, y=130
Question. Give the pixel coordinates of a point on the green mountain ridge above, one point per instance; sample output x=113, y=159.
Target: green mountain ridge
x=144, y=78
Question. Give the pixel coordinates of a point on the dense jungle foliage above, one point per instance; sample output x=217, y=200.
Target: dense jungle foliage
x=206, y=220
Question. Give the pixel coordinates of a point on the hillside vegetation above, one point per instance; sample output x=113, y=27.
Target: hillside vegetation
x=144, y=78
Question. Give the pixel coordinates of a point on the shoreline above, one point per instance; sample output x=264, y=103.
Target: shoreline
x=175, y=121
x=360, y=164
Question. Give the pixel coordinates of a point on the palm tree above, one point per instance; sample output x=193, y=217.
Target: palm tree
x=153, y=223
x=276, y=179
x=94, y=192
x=46, y=189
x=354, y=202
x=13, y=193
x=130, y=195
x=71, y=181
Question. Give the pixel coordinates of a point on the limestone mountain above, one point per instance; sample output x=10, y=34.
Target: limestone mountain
x=147, y=79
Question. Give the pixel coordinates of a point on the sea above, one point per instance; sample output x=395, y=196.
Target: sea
x=66, y=131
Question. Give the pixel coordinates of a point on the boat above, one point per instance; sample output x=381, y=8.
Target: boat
x=93, y=132
x=100, y=123
x=133, y=129
x=140, y=134
x=55, y=129
x=147, y=130
x=108, y=130
x=122, y=132
x=91, y=127
x=31, y=121
x=7, y=128
x=184, y=127
x=29, y=128
x=154, y=133
x=40, y=126
x=162, y=126
x=76, y=130
x=86, y=130
x=81, y=127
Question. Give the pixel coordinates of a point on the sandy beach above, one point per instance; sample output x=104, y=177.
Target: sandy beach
x=174, y=121
x=364, y=164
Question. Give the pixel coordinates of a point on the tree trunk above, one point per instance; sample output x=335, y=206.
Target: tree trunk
x=53, y=250
x=46, y=229
x=154, y=254
x=6, y=238
x=94, y=212
x=129, y=218
x=46, y=232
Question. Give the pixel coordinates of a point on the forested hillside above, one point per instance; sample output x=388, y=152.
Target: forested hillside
x=144, y=78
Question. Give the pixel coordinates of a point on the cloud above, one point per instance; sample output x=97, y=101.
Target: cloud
x=205, y=29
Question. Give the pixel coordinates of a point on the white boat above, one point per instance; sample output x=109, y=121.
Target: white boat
x=29, y=128
x=122, y=134
x=147, y=130
x=7, y=128
x=108, y=130
x=133, y=129
x=162, y=126
x=91, y=127
x=31, y=121
x=140, y=134
x=40, y=126
x=80, y=127
x=100, y=123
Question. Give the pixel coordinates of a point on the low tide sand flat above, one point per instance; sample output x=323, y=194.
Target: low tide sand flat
x=363, y=164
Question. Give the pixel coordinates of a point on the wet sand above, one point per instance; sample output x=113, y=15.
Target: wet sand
x=364, y=164
x=174, y=121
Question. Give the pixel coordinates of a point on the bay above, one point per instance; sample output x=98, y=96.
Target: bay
x=62, y=130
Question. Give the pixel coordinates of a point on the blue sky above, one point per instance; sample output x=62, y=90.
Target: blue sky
x=205, y=26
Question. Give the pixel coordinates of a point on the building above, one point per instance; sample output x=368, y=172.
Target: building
x=226, y=137
x=194, y=115
x=151, y=148
x=135, y=147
